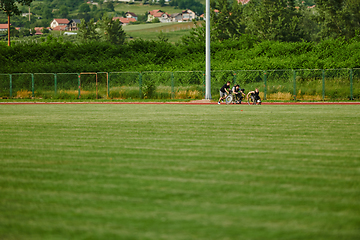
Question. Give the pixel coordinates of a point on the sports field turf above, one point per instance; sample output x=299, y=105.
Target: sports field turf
x=157, y=172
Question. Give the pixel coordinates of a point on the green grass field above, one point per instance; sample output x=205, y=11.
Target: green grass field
x=140, y=9
x=173, y=31
x=106, y=171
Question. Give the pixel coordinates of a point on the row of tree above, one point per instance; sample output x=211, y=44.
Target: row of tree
x=22, y=32
x=275, y=20
x=110, y=31
x=54, y=55
x=78, y=9
x=286, y=20
x=43, y=14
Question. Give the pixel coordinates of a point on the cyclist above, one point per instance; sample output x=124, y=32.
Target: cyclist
x=223, y=91
x=239, y=93
x=255, y=96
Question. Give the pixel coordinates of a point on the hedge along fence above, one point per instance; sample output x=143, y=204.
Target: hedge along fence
x=300, y=84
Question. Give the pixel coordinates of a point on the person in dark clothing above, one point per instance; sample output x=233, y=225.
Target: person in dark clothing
x=223, y=91
x=238, y=93
x=255, y=96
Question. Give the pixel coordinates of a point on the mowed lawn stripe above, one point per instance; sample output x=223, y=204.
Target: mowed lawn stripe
x=222, y=215
x=180, y=192
x=179, y=172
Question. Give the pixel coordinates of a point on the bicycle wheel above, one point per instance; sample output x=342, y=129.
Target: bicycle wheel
x=229, y=99
x=251, y=101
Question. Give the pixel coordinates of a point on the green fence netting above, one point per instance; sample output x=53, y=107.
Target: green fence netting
x=299, y=84
x=124, y=85
x=355, y=86
x=156, y=85
x=279, y=85
x=5, y=85
x=22, y=85
x=68, y=86
x=249, y=80
x=44, y=85
x=89, y=85
x=337, y=82
x=188, y=85
x=218, y=79
x=309, y=84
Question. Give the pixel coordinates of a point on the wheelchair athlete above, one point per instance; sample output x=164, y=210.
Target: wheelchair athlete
x=254, y=95
x=238, y=93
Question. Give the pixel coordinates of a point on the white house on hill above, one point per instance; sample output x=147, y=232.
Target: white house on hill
x=59, y=22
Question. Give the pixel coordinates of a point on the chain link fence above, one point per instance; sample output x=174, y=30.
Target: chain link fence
x=22, y=85
x=309, y=84
x=67, y=85
x=188, y=85
x=355, y=84
x=124, y=85
x=5, y=86
x=286, y=85
x=44, y=85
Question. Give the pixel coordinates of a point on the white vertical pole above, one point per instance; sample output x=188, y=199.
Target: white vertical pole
x=207, y=53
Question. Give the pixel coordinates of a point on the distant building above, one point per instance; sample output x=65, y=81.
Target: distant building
x=188, y=15
x=162, y=16
x=131, y=15
x=38, y=30
x=3, y=27
x=176, y=17
x=119, y=1
x=26, y=14
x=60, y=28
x=92, y=2
x=59, y=22
x=73, y=25
x=124, y=21
x=184, y=16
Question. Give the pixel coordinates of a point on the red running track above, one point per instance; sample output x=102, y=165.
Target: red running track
x=185, y=103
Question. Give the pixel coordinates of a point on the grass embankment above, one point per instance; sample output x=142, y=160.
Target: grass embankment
x=179, y=172
x=149, y=31
x=141, y=9
x=172, y=31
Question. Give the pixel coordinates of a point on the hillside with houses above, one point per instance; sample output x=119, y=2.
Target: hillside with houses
x=55, y=15
x=44, y=16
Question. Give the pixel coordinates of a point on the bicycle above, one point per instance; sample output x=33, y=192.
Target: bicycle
x=251, y=100
x=231, y=98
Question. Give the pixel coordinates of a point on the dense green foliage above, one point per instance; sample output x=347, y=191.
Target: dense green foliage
x=10, y=7
x=194, y=5
x=338, y=18
x=140, y=55
x=162, y=172
x=286, y=20
x=112, y=31
x=43, y=11
x=281, y=20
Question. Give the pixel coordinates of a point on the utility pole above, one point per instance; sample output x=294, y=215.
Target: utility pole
x=9, y=31
x=207, y=53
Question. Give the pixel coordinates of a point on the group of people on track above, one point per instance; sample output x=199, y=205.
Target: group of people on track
x=238, y=93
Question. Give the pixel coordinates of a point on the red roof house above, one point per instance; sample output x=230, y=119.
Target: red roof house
x=4, y=27
x=60, y=28
x=162, y=16
x=59, y=22
x=124, y=21
x=243, y=1
x=38, y=30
